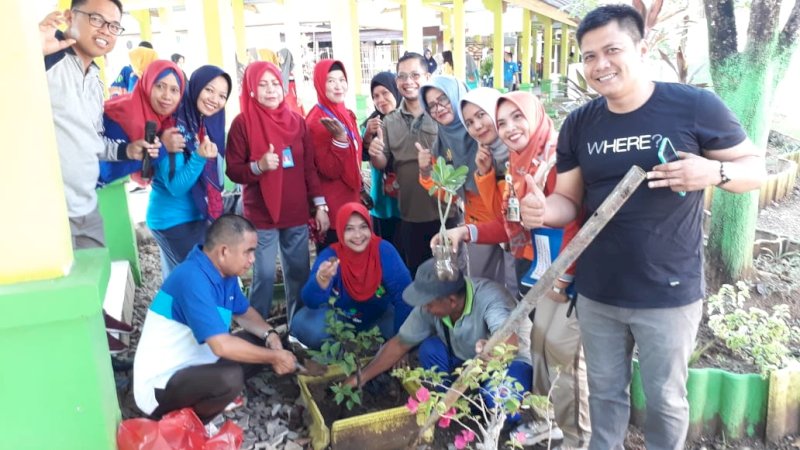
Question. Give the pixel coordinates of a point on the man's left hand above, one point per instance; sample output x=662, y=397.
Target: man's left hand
x=690, y=173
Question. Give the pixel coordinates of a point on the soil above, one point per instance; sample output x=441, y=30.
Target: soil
x=383, y=392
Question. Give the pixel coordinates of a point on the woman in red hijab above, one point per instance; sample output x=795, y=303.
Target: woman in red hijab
x=269, y=153
x=363, y=273
x=154, y=99
x=558, y=363
x=336, y=140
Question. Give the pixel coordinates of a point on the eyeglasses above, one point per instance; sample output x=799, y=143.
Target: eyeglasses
x=441, y=103
x=97, y=21
x=402, y=76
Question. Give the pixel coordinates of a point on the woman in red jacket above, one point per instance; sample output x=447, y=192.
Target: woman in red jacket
x=269, y=153
x=336, y=141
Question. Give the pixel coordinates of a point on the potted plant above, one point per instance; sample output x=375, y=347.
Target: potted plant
x=447, y=180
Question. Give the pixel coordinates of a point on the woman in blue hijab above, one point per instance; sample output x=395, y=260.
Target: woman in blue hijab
x=187, y=186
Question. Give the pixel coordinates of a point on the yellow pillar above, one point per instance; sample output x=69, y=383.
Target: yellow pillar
x=167, y=28
x=535, y=49
x=212, y=32
x=355, y=78
x=404, y=16
x=344, y=31
x=447, y=31
x=295, y=42
x=526, y=46
x=496, y=7
x=547, y=54
x=145, y=27
x=35, y=242
x=459, y=45
x=564, y=60
x=412, y=26
x=238, y=30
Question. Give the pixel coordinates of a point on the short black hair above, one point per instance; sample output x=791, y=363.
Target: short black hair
x=77, y=3
x=176, y=57
x=413, y=55
x=146, y=44
x=627, y=17
x=227, y=229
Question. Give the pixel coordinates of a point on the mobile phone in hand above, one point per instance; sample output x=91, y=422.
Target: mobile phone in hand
x=150, y=137
x=667, y=154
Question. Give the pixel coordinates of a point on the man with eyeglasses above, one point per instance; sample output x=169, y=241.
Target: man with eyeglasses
x=401, y=131
x=76, y=99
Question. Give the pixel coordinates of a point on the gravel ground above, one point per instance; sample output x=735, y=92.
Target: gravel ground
x=272, y=415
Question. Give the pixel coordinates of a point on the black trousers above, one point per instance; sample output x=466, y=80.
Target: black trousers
x=207, y=388
x=415, y=241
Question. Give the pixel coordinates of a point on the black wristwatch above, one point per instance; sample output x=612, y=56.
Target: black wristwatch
x=270, y=331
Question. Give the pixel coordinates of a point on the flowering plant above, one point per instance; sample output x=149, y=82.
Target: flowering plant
x=488, y=381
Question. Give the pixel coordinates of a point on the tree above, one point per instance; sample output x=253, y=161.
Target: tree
x=746, y=81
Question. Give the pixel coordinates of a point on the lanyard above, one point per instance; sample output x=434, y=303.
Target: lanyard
x=332, y=116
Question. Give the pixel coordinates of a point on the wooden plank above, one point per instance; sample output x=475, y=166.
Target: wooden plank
x=621, y=193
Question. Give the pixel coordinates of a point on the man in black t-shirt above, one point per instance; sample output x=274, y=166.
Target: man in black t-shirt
x=641, y=279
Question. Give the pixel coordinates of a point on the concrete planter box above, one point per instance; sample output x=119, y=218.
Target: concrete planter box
x=381, y=430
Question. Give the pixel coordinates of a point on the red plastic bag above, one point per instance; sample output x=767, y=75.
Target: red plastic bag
x=178, y=430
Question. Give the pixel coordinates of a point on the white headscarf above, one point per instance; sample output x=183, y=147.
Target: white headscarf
x=486, y=98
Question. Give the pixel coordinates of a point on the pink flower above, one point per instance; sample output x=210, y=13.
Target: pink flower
x=444, y=421
x=464, y=438
x=423, y=395
x=519, y=436
x=412, y=405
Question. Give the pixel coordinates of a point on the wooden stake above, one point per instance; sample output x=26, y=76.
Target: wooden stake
x=621, y=193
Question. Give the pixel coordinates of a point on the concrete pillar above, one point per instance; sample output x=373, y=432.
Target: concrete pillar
x=496, y=7
x=459, y=40
x=412, y=26
x=447, y=31
x=346, y=44
x=526, y=46
x=237, y=9
x=295, y=43
x=535, y=49
x=36, y=241
x=142, y=16
x=565, y=45
x=60, y=383
x=209, y=41
x=547, y=53
x=168, y=30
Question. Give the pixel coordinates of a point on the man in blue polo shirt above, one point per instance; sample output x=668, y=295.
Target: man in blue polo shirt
x=186, y=355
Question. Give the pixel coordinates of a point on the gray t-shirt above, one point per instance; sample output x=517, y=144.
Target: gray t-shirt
x=488, y=305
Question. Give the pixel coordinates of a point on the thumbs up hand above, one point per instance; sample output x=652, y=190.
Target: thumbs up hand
x=269, y=161
x=424, y=159
x=532, y=205
x=376, y=145
x=207, y=149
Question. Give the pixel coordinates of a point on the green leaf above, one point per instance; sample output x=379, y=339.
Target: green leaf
x=339, y=398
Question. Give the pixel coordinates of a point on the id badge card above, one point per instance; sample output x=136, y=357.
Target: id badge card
x=512, y=213
x=287, y=158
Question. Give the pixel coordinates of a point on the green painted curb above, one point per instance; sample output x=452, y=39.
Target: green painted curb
x=720, y=403
x=57, y=386
x=112, y=202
